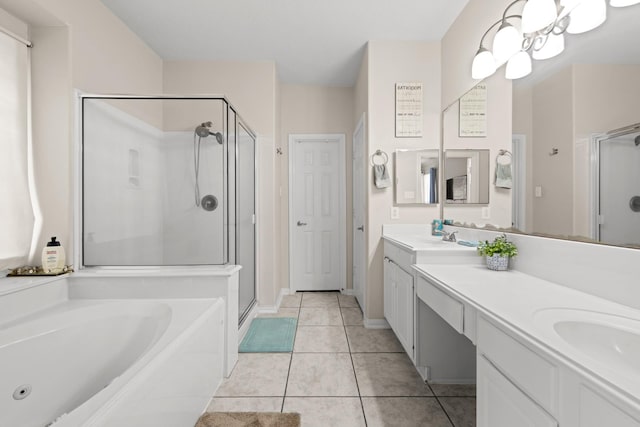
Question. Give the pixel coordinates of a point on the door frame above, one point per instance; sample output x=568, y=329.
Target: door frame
x=519, y=190
x=362, y=295
x=335, y=138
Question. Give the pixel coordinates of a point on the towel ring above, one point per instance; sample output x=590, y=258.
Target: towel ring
x=383, y=157
x=504, y=153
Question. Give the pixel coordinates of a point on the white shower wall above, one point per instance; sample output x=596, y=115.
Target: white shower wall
x=145, y=213
x=192, y=235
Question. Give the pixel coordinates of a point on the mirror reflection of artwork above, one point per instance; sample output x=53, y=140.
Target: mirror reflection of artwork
x=466, y=174
x=416, y=176
x=457, y=189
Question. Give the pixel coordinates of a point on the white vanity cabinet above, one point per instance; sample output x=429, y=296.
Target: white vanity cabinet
x=515, y=385
x=399, y=295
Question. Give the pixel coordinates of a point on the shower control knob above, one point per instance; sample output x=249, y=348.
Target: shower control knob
x=300, y=223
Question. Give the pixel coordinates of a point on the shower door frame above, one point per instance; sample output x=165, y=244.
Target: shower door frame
x=240, y=122
x=594, y=179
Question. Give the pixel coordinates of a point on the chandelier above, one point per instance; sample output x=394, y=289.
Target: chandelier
x=540, y=35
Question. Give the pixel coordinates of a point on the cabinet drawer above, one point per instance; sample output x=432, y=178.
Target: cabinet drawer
x=404, y=259
x=502, y=404
x=531, y=372
x=449, y=308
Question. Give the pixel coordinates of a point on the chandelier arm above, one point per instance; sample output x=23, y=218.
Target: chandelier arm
x=504, y=14
x=496, y=23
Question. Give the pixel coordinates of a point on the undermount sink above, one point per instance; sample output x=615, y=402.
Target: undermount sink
x=607, y=339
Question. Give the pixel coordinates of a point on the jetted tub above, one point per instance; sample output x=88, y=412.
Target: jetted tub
x=111, y=363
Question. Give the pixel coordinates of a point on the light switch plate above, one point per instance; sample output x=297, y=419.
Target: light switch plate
x=486, y=212
x=538, y=191
x=395, y=212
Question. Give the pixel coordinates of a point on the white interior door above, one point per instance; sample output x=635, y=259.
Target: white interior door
x=359, y=259
x=317, y=212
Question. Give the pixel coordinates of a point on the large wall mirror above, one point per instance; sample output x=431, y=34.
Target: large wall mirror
x=416, y=176
x=575, y=139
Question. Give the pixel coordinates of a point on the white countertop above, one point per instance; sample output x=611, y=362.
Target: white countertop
x=521, y=302
x=421, y=240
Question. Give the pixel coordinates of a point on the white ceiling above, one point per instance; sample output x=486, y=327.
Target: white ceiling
x=312, y=41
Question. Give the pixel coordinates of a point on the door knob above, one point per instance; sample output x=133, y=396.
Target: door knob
x=300, y=223
x=361, y=228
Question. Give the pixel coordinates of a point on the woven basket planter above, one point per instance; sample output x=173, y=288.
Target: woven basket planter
x=498, y=262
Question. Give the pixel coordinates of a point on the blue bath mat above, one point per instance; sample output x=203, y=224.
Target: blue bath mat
x=269, y=335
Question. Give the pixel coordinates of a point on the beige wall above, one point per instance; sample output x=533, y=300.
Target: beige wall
x=52, y=134
x=314, y=109
x=553, y=118
x=391, y=63
x=251, y=88
x=460, y=44
x=606, y=97
x=13, y=24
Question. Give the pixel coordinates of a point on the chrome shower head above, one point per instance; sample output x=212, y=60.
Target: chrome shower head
x=204, y=131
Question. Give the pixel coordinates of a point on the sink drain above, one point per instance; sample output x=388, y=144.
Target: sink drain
x=22, y=392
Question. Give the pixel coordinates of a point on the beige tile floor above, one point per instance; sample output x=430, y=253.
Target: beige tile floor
x=341, y=374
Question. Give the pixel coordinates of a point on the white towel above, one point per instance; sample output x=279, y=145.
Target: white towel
x=381, y=176
x=503, y=175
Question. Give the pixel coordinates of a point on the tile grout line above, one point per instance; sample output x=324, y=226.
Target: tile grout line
x=364, y=416
x=286, y=384
x=440, y=403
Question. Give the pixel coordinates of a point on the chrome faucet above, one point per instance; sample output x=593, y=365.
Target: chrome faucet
x=449, y=237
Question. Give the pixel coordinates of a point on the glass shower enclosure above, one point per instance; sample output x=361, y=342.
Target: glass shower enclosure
x=168, y=181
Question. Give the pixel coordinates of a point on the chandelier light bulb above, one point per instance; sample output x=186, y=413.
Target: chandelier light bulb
x=538, y=14
x=484, y=64
x=552, y=47
x=518, y=66
x=588, y=15
x=623, y=3
x=506, y=43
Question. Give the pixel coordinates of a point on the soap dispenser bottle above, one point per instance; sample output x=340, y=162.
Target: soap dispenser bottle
x=53, y=257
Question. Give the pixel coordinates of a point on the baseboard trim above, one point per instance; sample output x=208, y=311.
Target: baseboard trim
x=271, y=309
x=376, y=323
x=347, y=292
x=424, y=372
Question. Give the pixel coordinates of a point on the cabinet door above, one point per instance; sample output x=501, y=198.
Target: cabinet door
x=389, y=292
x=404, y=309
x=501, y=404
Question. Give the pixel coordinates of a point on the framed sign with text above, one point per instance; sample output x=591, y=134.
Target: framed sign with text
x=472, y=120
x=408, y=110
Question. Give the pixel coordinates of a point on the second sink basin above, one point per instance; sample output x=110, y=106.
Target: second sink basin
x=610, y=340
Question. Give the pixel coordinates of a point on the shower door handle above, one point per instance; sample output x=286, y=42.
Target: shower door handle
x=300, y=223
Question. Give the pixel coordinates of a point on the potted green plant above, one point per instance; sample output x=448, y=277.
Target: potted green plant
x=498, y=252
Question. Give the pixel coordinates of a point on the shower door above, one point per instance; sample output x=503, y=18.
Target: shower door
x=153, y=188
x=619, y=189
x=245, y=217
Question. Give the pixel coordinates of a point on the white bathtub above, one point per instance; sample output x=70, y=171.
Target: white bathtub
x=106, y=362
